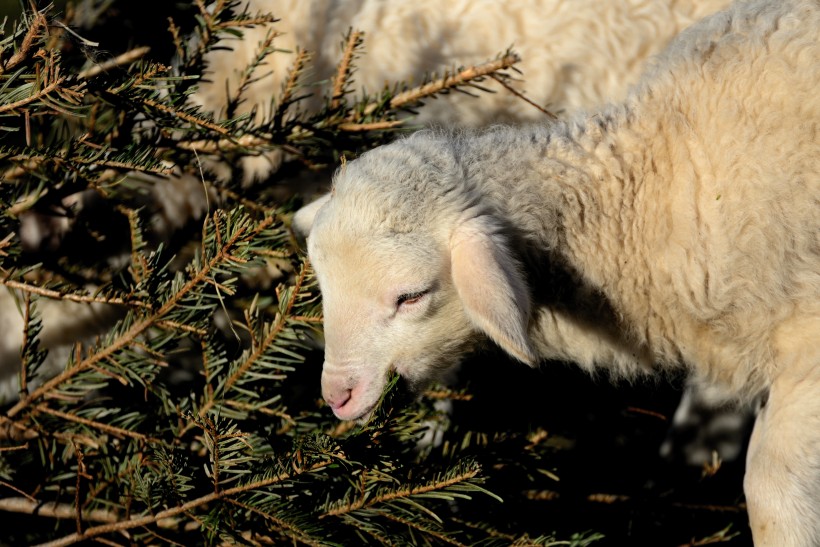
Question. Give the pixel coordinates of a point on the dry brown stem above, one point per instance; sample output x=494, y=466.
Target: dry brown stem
x=110, y=429
x=354, y=40
x=364, y=501
x=523, y=97
x=57, y=295
x=36, y=96
x=464, y=76
x=123, y=59
x=374, y=126
x=39, y=22
x=147, y=520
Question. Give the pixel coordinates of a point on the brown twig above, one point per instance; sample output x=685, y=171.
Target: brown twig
x=113, y=430
x=373, y=126
x=205, y=146
x=246, y=77
x=302, y=58
x=174, y=30
x=37, y=23
x=252, y=22
x=182, y=327
x=646, y=412
x=123, y=59
x=11, y=430
x=523, y=97
x=364, y=501
x=147, y=520
x=343, y=70
x=12, y=487
x=38, y=95
x=57, y=295
x=187, y=117
x=464, y=76
x=53, y=510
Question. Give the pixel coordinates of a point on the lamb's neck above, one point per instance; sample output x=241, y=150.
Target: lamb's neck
x=569, y=194
x=559, y=185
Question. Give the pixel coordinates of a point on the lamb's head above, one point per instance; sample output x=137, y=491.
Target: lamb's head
x=412, y=268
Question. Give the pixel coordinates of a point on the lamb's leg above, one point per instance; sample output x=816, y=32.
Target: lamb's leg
x=783, y=465
x=707, y=422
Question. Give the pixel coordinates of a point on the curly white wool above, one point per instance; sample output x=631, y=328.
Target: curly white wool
x=679, y=227
x=575, y=53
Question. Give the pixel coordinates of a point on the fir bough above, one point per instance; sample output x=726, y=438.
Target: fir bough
x=195, y=417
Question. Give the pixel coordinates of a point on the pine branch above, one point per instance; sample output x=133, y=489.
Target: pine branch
x=137, y=329
x=38, y=23
x=344, y=70
x=147, y=520
x=264, y=49
x=367, y=502
x=71, y=297
x=464, y=76
x=273, y=333
x=105, y=428
x=37, y=96
x=123, y=59
x=423, y=529
x=185, y=116
x=286, y=529
x=287, y=95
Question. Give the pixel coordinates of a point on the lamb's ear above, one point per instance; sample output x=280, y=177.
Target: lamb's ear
x=492, y=289
x=303, y=218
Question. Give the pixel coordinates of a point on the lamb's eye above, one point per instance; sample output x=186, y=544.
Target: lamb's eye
x=410, y=298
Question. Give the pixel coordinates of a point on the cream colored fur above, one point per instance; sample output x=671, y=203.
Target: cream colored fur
x=575, y=53
x=680, y=227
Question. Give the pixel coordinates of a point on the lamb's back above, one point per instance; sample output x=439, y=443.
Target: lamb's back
x=727, y=193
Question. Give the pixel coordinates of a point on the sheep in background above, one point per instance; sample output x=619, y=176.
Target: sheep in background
x=575, y=54
x=61, y=320
x=680, y=227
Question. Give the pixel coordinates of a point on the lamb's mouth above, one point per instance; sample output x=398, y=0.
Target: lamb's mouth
x=367, y=414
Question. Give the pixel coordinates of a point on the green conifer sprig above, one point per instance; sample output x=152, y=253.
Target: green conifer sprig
x=195, y=417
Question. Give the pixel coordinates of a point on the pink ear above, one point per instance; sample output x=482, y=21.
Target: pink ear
x=492, y=290
x=304, y=217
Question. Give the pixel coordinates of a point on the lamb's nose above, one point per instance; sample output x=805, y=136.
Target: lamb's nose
x=337, y=398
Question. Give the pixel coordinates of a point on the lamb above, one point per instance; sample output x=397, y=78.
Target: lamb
x=575, y=54
x=679, y=227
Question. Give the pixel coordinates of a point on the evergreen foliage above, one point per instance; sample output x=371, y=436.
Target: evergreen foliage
x=196, y=417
